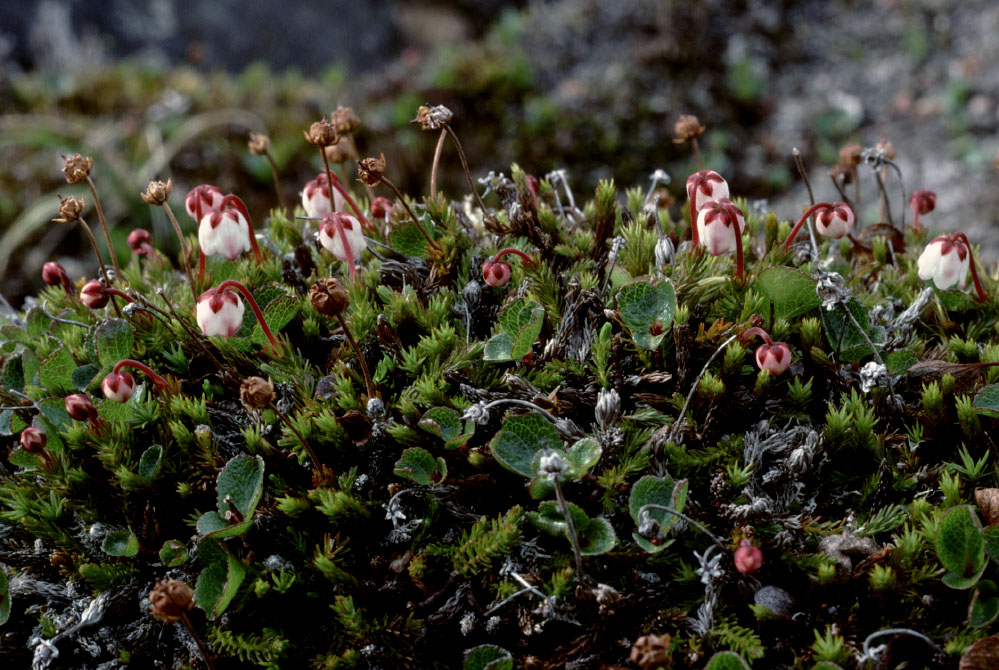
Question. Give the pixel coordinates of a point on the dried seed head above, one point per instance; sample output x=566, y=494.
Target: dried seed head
x=433, y=118
x=157, y=192
x=329, y=297
x=257, y=393
x=258, y=144
x=322, y=133
x=345, y=120
x=371, y=170
x=70, y=209
x=651, y=651
x=687, y=128
x=170, y=599
x=77, y=168
x=884, y=147
x=338, y=153
x=987, y=500
x=849, y=155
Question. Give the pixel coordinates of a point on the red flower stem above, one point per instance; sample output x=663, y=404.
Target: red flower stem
x=979, y=288
x=369, y=385
x=232, y=283
x=142, y=367
x=242, y=209
x=693, y=219
x=518, y=252
x=808, y=212
x=335, y=183
x=201, y=254
x=119, y=293
x=346, y=246
x=759, y=331
x=733, y=215
x=915, y=216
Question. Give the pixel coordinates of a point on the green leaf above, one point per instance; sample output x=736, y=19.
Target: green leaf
x=31, y=364
x=844, y=337
x=646, y=306
x=519, y=324
x=488, y=657
x=54, y=409
x=421, y=467
x=446, y=424
x=550, y=519
x=37, y=322
x=214, y=525
x=5, y=596
x=121, y=543
x=278, y=314
x=956, y=301
x=115, y=339
x=583, y=455
x=900, y=361
x=498, y=348
x=960, y=582
x=987, y=400
x=407, y=239
x=219, y=580
x=12, y=377
x=520, y=439
x=960, y=546
x=149, y=462
x=240, y=483
x=991, y=538
x=173, y=553
x=56, y=372
x=15, y=334
x=84, y=376
x=525, y=338
x=651, y=490
x=827, y=665
x=791, y=291
x=984, y=604
x=726, y=660
x=597, y=538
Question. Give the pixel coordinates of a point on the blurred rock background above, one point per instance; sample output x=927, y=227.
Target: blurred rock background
x=158, y=88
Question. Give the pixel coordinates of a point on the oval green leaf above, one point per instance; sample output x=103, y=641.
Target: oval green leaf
x=960, y=546
x=647, y=309
x=791, y=291
x=520, y=439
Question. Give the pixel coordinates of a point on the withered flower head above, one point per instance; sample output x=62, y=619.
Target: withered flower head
x=338, y=153
x=849, y=155
x=650, y=651
x=329, y=297
x=70, y=209
x=687, y=128
x=158, y=192
x=841, y=174
x=77, y=168
x=433, y=118
x=371, y=170
x=257, y=393
x=170, y=599
x=345, y=120
x=258, y=144
x=885, y=148
x=322, y=133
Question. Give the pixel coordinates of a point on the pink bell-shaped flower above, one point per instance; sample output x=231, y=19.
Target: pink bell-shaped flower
x=316, y=198
x=203, y=199
x=705, y=186
x=341, y=235
x=118, y=386
x=716, y=229
x=748, y=557
x=922, y=201
x=94, y=295
x=945, y=260
x=496, y=273
x=225, y=232
x=220, y=313
x=834, y=221
x=80, y=407
x=774, y=357
x=32, y=440
x=54, y=274
x=381, y=207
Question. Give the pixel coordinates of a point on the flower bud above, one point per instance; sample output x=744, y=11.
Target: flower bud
x=608, y=409
x=157, y=192
x=705, y=186
x=93, y=294
x=945, y=260
x=477, y=414
x=80, y=407
x=258, y=144
x=70, y=209
x=224, y=233
x=203, y=199
x=775, y=358
x=77, y=168
x=322, y=133
x=316, y=198
x=220, y=313
x=371, y=170
x=118, y=386
x=140, y=241
x=496, y=273
x=687, y=128
x=552, y=465
x=835, y=221
x=329, y=297
x=381, y=207
x=716, y=229
x=923, y=201
x=257, y=393
x=748, y=558
x=346, y=246
x=32, y=440
x=170, y=600
x=54, y=274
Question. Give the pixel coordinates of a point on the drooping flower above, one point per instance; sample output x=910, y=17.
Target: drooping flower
x=118, y=386
x=54, y=274
x=220, y=313
x=703, y=187
x=716, y=227
x=774, y=357
x=922, y=201
x=316, y=198
x=341, y=235
x=496, y=273
x=381, y=207
x=203, y=199
x=225, y=232
x=140, y=241
x=946, y=260
x=748, y=557
x=834, y=221
x=94, y=294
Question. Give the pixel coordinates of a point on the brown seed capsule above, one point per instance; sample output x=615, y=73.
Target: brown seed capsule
x=650, y=651
x=338, y=153
x=77, y=168
x=687, y=128
x=885, y=148
x=70, y=209
x=988, y=503
x=329, y=297
x=158, y=192
x=371, y=170
x=257, y=393
x=345, y=120
x=849, y=155
x=258, y=144
x=170, y=599
x=433, y=118
x=322, y=134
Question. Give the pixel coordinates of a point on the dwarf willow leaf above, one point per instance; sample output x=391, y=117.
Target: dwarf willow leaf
x=791, y=291
x=520, y=439
x=114, y=339
x=647, y=308
x=960, y=546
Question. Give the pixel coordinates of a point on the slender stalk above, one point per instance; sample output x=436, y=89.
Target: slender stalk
x=842, y=193
x=811, y=197
x=510, y=250
x=895, y=631
x=183, y=250
x=338, y=227
x=697, y=153
x=733, y=214
x=693, y=387
x=360, y=357
x=885, y=205
x=119, y=293
x=335, y=183
x=808, y=212
x=287, y=422
x=979, y=288
x=232, y=283
x=570, y=530
x=100, y=261
x=205, y=654
x=666, y=508
x=523, y=403
x=142, y=367
x=863, y=334
x=242, y=210
x=277, y=180
x=464, y=166
x=437, y=160
x=402, y=199
x=104, y=225
x=762, y=333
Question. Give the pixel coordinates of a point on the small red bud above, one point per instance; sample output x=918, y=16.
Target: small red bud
x=496, y=273
x=93, y=294
x=32, y=440
x=748, y=558
x=118, y=386
x=380, y=207
x=54, y=274
x=140, y=241
x=80, y=407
